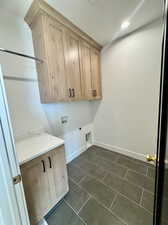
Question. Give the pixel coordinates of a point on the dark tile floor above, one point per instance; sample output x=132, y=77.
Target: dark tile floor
x=106, y=188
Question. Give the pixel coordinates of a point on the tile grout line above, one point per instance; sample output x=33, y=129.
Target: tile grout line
x=96, y=164
x=115, y=197
x=147, y=171
x=75, y=212
x=134, y=202
x=139, y=162
x=118, y=155
x=122, y=155
x=101, y=181
x=141, y=197
x=109, y=210
x=104, y=176
x=117, y=193
x=121, y=177
x=82, y=179
x=127, y=169
x=91, y=163
x=140, y=174
x=124, y=222
x=125, y=176
x=113, y=189
x=70, y=178
x=113, y=162
x=89, y=197
x=130, y=182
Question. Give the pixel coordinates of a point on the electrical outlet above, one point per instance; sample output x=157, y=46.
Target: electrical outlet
x=88, y=139
x=88, y=136
x=64, y=119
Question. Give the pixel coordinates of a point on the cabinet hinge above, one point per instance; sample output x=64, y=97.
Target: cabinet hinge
x=17, y=179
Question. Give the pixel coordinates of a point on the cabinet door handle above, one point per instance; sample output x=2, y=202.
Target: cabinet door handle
x=73, y=92
x=49, y=159
x=70, y=92
x=44, y=170
x=94, y=93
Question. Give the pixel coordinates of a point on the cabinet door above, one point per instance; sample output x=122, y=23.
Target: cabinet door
x=86, y=76
x=55, y=57
x=73, y=65
x=36, y=187
x=40, y=52
x=96, y=74
x=60, y=177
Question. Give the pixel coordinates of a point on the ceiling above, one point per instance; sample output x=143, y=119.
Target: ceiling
x=101, y=19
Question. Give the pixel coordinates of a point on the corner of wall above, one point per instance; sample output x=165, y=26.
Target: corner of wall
x=120, y=150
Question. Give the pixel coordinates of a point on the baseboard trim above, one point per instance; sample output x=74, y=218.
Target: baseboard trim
x=124, y=151
x=42, y=222
x=77, y=153
x=120, y=150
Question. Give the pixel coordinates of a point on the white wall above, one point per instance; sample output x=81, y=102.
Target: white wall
x=27, y=113
x=126, y=119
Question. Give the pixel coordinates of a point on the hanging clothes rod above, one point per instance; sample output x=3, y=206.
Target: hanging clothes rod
x=20, y=54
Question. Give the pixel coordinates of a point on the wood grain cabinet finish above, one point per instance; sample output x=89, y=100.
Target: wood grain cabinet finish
x=86, y=73
x=59, y=175
x=71, y=59
x=55, y=55
x=96, y=74
x=45, y=183
x=48, y=40
x=91, y=76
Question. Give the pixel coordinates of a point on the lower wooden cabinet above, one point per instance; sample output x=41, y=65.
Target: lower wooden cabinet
x=45, y=182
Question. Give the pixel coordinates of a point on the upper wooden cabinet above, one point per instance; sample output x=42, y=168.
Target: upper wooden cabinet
x=95, y=73
x=55, y=59
x=86, y=73
x=73, y=70
x=71, y=59
x=90, y=72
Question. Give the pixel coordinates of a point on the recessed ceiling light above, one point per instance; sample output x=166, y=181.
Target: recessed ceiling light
x=125, y=25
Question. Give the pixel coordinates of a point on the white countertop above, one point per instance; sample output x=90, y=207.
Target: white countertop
x=35, y=146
